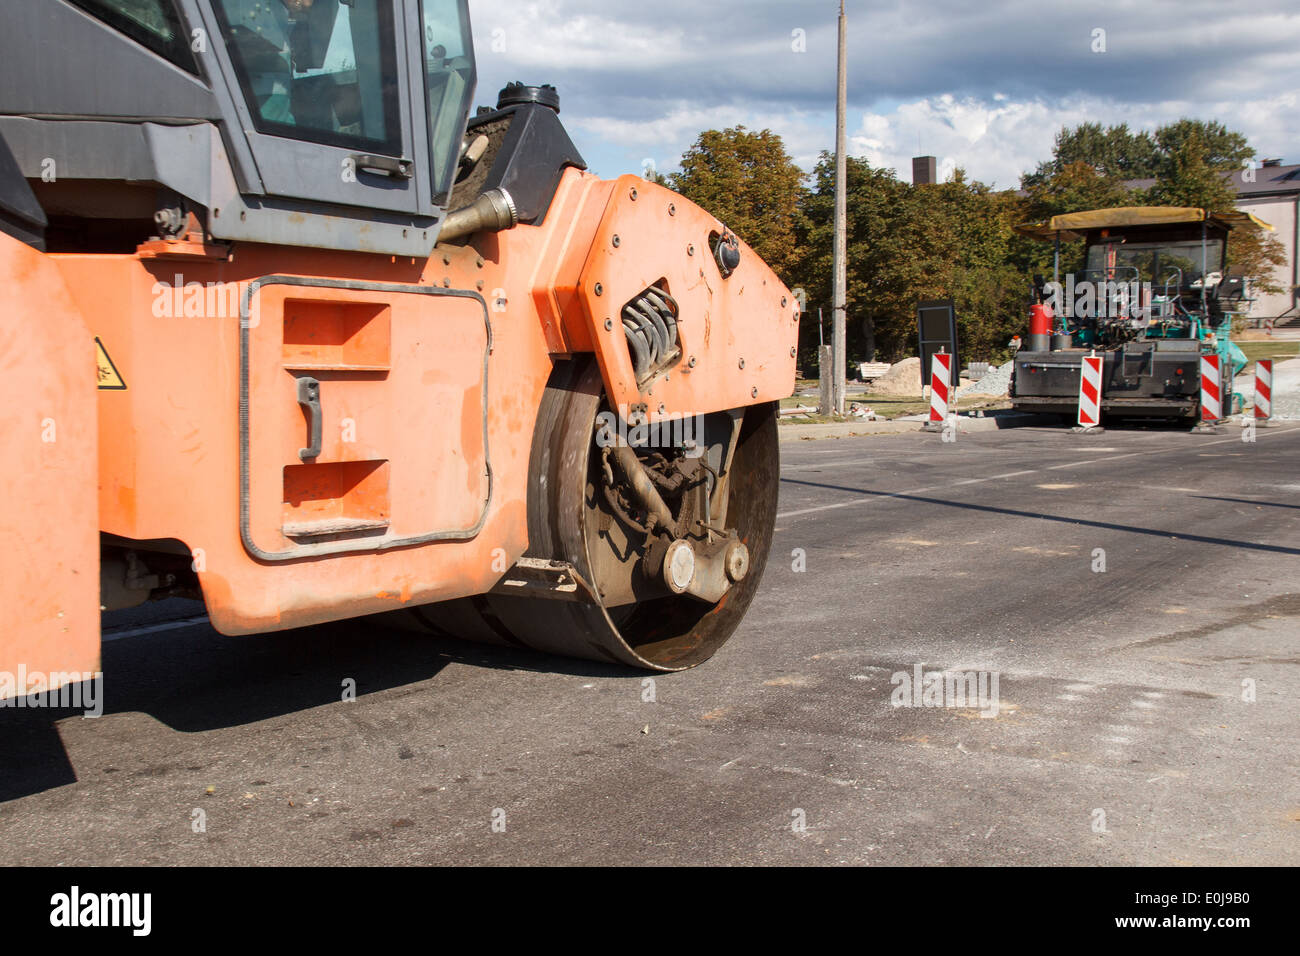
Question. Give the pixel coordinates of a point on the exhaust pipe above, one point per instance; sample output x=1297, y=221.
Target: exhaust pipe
x=491, y=212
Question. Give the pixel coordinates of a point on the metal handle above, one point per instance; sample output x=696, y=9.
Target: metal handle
x=397, y=168
x=309, y=398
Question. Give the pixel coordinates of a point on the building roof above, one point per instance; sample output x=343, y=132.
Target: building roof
x=1269, y=180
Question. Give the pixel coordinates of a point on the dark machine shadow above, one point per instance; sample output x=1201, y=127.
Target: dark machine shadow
x=194, y=680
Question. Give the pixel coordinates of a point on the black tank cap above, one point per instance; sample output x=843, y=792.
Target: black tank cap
x=517, y=93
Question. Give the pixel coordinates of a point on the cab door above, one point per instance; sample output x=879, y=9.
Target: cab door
x=325, y=96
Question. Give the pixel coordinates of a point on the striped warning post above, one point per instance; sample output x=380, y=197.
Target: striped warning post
x=1263, y=389
x=1090, y=391
x=1211, y=389
x=940, y=383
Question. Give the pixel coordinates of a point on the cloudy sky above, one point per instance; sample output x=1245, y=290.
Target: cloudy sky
x=981, y=85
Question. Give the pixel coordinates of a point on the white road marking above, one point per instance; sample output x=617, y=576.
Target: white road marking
x=153, y=628
x=882, y=496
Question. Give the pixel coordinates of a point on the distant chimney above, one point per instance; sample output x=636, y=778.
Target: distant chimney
x=1267, y=162
x=923, y=170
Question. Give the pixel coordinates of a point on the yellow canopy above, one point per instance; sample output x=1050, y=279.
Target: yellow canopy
x=1072, y=225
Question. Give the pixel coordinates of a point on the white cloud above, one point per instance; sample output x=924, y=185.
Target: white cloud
x=996, y=142
x=981, y=86
x=664, y=138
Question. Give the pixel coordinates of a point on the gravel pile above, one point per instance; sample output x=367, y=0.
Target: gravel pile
x=903, y=380
x=995, y=382
x=1286, y=406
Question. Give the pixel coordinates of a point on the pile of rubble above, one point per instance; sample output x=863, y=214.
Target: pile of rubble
x=994, y=382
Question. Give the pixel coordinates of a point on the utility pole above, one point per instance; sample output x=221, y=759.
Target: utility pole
x=839, y=302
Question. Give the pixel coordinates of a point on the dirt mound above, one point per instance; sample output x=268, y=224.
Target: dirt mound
x=903, y=378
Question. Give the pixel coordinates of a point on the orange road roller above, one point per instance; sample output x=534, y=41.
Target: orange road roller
x=284, y=327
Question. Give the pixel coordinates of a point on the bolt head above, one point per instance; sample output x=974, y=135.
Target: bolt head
x=600, y=289
x=615, y=241
x=691, y=363
x=609, y=324
x=632, y=193
x=672, y=209
x=742, y=362
x=690, y=250
x=753, y=392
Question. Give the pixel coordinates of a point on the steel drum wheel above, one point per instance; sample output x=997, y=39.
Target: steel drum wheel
x=668, y=633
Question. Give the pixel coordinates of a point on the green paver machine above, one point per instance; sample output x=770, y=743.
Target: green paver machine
x=1153, y=297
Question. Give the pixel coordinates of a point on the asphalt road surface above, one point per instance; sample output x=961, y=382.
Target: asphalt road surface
x=1145, y=713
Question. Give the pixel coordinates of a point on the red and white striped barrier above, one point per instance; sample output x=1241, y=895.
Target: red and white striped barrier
x=1211, y=389
x=1090, y=391
x=940, y=384
x=1263, y=389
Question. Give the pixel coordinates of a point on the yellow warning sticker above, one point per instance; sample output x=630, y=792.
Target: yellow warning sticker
x=107, y=373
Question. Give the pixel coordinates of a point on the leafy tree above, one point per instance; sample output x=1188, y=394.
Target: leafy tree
x=1194, y=176
x=1076, y=187
x=748, y=181
x=1190, y=179
x=1256, y=253
x=1116, y=152
x=1219, y=147
x=955, y=239
x=1188, y=160
x=1111, y=151
x=908, y=243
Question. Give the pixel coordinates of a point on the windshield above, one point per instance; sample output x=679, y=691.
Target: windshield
x=1154, y=262
x=319, y=70
x=449, y=83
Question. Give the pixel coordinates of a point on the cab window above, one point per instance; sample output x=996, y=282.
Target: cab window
x=151, y=23
x=449, y=83
x=324, y=71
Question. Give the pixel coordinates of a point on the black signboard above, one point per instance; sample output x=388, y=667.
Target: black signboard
x=936, y=329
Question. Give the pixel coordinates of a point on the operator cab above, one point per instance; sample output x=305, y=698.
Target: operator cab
x=328, y=123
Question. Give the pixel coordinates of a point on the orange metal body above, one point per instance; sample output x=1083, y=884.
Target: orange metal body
x=49, y=538
x=418, y=492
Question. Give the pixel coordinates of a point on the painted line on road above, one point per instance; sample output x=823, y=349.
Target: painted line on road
x=885, y=495
x=1094, y=461
x=154, y=628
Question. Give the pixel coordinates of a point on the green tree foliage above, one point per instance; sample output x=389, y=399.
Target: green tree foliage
x=1077, y=186
x=1112, y=151
x=1218, y=146
x=909, y=243
x=1191, y=179
x=1116, y=152
x=749, y=182
x=955, y=239
x=1189, y=161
